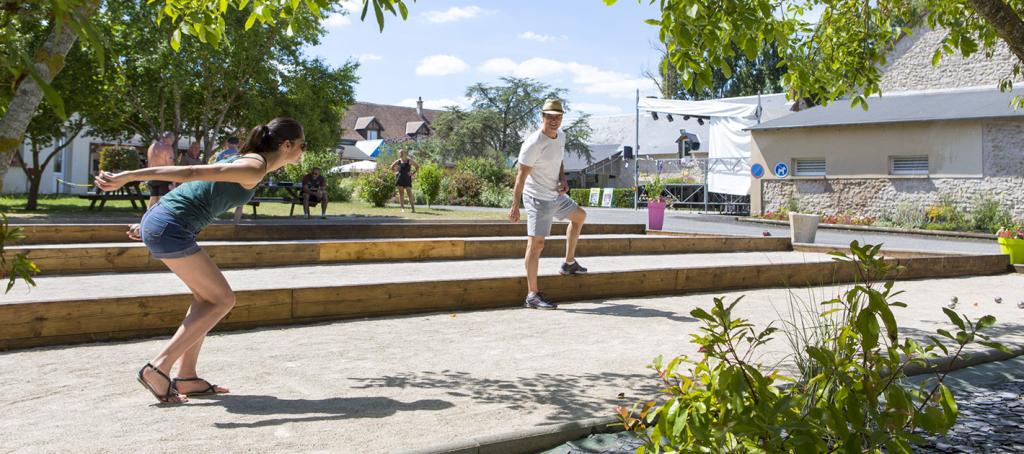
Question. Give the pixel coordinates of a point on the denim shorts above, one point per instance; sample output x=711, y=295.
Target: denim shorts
x=540, y=213
x=166, y=236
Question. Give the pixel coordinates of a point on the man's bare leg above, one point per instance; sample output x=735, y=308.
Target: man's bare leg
x=534, y=247
x=572, y=234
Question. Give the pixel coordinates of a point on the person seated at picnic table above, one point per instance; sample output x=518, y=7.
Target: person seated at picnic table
x=314, y=189
x=191, y=157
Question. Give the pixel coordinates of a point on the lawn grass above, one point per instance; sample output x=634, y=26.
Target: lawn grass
x=63, y=207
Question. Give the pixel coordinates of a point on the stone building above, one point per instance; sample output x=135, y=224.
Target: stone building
x=936, y=133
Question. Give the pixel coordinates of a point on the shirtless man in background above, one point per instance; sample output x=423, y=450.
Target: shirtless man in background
x=161, y=153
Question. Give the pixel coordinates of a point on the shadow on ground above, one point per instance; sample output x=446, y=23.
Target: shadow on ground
x=307, y=410
x=612, y=308
x=570, y=396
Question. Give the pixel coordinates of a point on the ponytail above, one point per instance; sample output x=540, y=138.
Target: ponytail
x=269, y=137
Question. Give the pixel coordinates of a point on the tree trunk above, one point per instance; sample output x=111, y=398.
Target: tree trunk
x=48, y=61
x=34, y=179
x=1006, y=22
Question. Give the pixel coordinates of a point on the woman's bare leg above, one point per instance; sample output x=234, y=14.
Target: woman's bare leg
x=214, y=299
x=412, y=200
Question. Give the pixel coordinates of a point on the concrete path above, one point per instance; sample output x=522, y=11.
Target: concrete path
x=56, y=288
x=674, y=220
x=392, y=384
x=681, y=221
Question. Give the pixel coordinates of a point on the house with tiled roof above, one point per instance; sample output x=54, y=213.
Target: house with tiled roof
x=366, y=126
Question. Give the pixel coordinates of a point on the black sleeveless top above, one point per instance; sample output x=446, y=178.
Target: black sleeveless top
x=404, y=168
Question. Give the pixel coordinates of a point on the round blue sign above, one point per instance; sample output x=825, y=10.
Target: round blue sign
x=757, y=170
x=781, y=170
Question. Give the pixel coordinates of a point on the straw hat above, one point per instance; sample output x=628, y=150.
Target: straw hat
x=552, y=106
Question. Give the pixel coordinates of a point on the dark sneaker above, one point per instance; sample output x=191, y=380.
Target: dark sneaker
x=538, y=301
x=575, y=268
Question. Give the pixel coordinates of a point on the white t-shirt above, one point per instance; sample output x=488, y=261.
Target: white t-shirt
x=544, y=155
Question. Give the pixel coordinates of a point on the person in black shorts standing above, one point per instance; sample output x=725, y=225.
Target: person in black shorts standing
x=405, y=169
x=314, y=190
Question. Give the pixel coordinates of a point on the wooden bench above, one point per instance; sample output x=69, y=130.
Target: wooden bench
x=255, y=202
x=104, y=197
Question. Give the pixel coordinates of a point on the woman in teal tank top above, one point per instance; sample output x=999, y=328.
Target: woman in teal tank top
x=169, y=230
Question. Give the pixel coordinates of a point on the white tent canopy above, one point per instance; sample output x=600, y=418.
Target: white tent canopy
x=728, y=138
x=356, y=167
x=370, y=147
x=698, y=108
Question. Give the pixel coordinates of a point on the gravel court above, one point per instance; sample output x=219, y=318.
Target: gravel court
x=402, y=383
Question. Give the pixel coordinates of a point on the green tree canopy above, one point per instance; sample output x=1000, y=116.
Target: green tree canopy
x=760, y=75
x=31, y=65
x=841, y=54
x=207, y=92
x=501, y=115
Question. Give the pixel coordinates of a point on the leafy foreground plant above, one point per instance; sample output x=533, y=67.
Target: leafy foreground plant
x=852, y=398
x=17, y=266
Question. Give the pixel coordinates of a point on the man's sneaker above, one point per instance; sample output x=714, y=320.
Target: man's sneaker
x=538, y=301
x=573, y=268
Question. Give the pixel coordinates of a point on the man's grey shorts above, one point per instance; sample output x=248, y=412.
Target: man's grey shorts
x=540, y=213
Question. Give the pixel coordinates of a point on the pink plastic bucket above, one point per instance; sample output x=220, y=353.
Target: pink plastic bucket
x=655, y=215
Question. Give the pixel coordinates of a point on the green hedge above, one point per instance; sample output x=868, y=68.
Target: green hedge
x=377, y=187
x=621, y=197
x=118, y=158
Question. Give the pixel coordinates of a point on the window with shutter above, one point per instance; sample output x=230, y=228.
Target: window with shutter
x=809, y=167
x=908, y=165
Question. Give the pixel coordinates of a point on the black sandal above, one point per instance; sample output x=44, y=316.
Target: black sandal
x=210, y=390
x=172, y=396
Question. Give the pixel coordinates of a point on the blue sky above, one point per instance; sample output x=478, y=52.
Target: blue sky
x=595, y=51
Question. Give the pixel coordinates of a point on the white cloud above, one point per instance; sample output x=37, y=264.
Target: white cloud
x=596, y=109
x=453, y=14
x=441, y=65
x=531, y=36
x=363, y=58
x=438, y=104
x=352, y=6
x=591, y=79
x=337, y=20
x=343, y=15
x=499, y=66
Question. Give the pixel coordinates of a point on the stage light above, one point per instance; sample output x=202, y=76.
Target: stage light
x=686, y=118
x=700, y=121
x=654, y=115
x=669, y=117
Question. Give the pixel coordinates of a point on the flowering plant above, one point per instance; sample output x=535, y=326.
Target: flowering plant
x=655, y=189
x=848, y=219
x=1013, y=232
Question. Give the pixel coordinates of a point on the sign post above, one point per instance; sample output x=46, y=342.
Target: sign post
x=606, y=200
x=595, y=197
x=757, y=170
x=781, y=170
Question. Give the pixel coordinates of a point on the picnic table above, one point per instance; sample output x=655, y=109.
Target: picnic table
x=131, y=192
x=266, y=192
x=278, y=192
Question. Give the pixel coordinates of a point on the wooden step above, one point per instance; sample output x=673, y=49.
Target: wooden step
x=112, y=233
x=88, y=315
x=130, y=257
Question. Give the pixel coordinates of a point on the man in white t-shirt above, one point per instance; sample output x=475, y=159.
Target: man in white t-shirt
x=542, y=186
